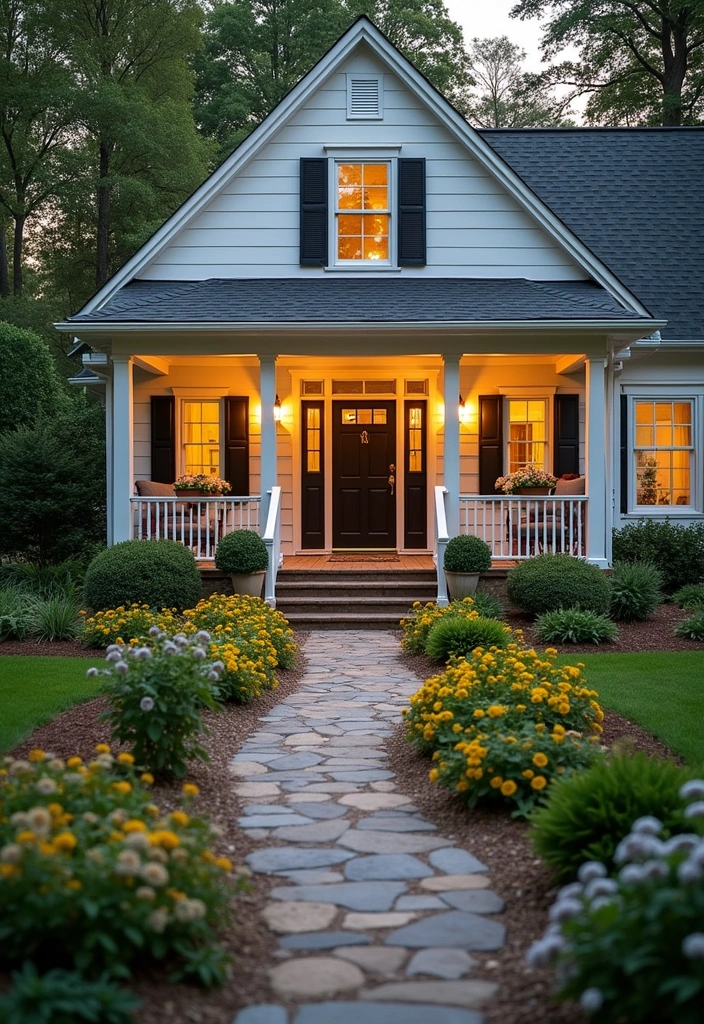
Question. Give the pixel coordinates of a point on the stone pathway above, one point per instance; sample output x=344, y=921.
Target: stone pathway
x=377, y=912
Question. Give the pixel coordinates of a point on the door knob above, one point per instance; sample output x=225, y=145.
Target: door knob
x=392, y=477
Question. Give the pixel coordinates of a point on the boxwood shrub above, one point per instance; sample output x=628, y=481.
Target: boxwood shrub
x=242, y=551
x=548, y=582
x=158, y=573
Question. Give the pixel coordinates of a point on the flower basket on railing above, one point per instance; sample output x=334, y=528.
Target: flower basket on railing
x=526, y=481
x=200, y=486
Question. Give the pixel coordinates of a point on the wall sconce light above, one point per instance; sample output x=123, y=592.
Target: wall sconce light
x=277, y=410
x=463, y=411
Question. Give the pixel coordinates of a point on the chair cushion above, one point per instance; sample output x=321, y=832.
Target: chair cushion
x=152, y=489
x=567, y=487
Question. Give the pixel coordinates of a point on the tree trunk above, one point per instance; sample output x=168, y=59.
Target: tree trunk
x=102, y=254
x=674, y=51
x=18, y=242
x=4, y=272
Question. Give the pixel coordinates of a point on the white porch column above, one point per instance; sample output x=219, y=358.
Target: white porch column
x=109, y=445
x=267, y=394
x=597, y=489
x=451, y=458
x=122, y=449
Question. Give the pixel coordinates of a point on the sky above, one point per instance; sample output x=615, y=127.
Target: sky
x=488, y=18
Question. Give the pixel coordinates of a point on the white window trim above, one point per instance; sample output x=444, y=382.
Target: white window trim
x=674, y=393
x=363, y=154
x=206, y=394
x=529, y=395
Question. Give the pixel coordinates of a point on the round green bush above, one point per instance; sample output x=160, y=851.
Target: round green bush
x=691, y=597
x=636, y=590
x=587, y=815
x=574, y=626
x=159, y=573
x=457, y=635
x=241, y=552
x=467, y=553
x=693, y=627
x=548, y=582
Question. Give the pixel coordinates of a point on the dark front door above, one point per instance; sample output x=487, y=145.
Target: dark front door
x=364, y=474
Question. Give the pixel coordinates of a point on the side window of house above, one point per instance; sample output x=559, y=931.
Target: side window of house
x=200, y=438
x=663, y=451
x=362, y=211
x=527, y=436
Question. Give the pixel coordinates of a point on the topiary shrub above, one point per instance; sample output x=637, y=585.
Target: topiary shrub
x=691, y=597
x=636, y=590
x=574, y=626
x=242, y=551
x=692, y=628
x=587, y=815
x=158, y=573
x=548, y=582
x=467, y=553
x=455, y=634
x=677, y=550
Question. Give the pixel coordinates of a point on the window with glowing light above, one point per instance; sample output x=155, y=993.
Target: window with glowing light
x=201, y=438
x=362, y=212
x=663, y=452
x=415, y=439
x=527, y=434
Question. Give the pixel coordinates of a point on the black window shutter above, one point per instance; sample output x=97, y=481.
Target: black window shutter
x=411, y=212
x=237, y=444
x=163, y=442
x=624, y=453
x=491, y=442
x=566, y=455
x=314, y=212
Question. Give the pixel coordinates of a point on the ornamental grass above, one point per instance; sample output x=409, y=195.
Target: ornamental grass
x=504, y=723
x=95, y=876
x=416, y=628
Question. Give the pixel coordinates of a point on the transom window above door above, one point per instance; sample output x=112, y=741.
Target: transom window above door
x=362, y=212
x=527, y=434
x=201, y=438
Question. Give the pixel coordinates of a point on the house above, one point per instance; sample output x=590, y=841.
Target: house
x=372, y=310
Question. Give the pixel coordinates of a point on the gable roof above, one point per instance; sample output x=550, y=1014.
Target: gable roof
x=363, y=31
x=635, y=196
x=348, y=300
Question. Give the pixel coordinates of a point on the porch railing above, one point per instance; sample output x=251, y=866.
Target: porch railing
x=441, y=539
x=199, y=523
x=272, y=539
x=517, y=527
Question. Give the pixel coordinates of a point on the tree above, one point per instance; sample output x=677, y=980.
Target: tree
x=29, y=383
x=505, y=96
x=35, y=119
x=257, y=50
x=641, y=60
x=52, y=484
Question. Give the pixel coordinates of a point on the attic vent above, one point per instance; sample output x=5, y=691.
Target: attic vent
x=348, y=387
x=312, y=387
x=416, y=387
x=365, y=97
x=379, y=387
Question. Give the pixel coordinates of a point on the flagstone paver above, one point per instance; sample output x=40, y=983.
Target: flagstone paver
x=378, y=908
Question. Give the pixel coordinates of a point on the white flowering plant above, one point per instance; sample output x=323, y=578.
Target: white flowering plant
x=528, y=476
x=156, y=693
x=631, y=947
x=94, y=875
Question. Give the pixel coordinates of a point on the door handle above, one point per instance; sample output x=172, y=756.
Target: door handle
x=392, y=477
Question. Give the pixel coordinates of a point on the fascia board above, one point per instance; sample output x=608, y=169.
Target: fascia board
x=363, y=30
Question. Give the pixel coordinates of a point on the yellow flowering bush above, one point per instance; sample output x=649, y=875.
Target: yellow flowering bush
x=126, y=625
x=525, y=719
x=95, y=875
x=249, y=617
x=416, y=628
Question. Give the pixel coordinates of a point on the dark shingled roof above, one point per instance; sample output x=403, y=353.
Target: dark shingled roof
x=635, y=196
x=346, y=299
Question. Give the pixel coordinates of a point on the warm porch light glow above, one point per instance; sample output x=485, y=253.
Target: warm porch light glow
x=277, y=409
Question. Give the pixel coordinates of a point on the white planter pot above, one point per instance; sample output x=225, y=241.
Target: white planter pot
x=251, y=584
x=461, y=584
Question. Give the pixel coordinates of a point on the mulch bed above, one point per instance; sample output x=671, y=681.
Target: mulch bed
x=499, y=841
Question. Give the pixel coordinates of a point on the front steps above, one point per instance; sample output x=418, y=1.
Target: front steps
x=351, y=598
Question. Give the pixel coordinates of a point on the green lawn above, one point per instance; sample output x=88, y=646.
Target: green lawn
x=33, y=690
x=664, y=693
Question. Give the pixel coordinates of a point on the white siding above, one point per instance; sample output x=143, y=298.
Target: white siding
x=474, y=227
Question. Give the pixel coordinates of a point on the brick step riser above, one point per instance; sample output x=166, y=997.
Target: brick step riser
x=326, y=622
x=397, y=610
x=425, y=576
x=291, y=592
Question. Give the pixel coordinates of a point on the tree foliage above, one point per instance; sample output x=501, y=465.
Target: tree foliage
x=641, y=61
x=506, y=96
x=29, y=383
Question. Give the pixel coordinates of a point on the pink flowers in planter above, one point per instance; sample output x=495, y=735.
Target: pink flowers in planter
x=202, y=483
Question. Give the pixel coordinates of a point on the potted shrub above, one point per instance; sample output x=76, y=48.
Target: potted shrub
x=244, y=556
x=465, y=557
